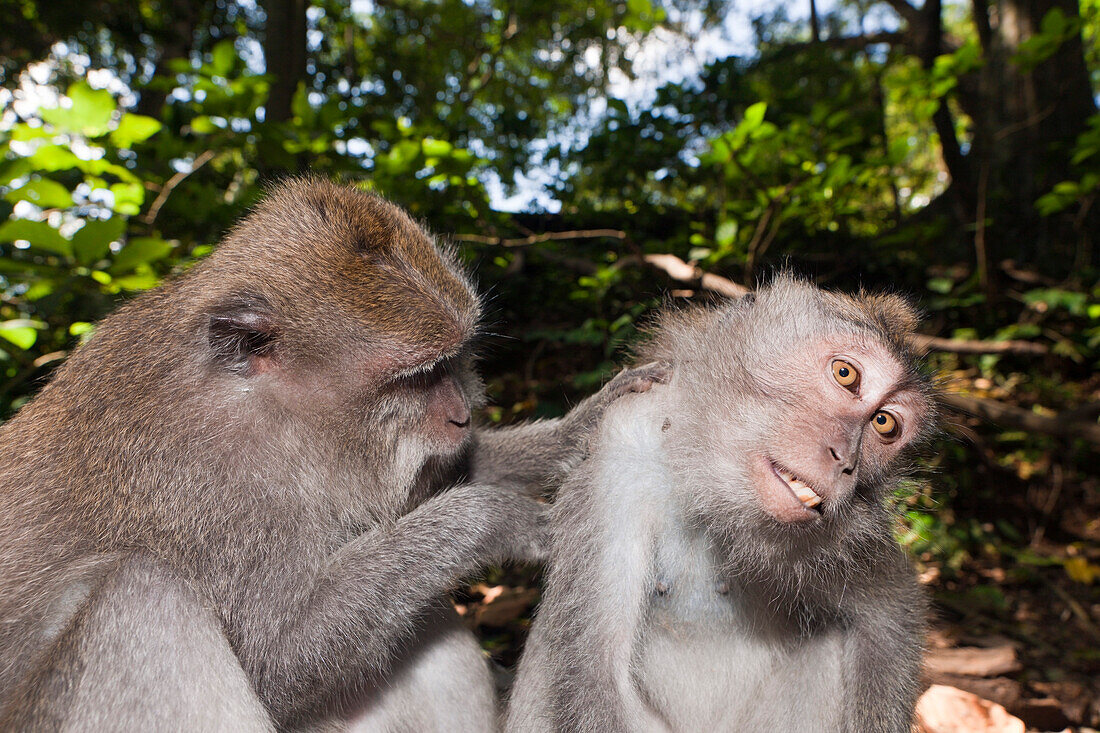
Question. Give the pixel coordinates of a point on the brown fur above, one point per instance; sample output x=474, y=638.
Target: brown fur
x=263, y=440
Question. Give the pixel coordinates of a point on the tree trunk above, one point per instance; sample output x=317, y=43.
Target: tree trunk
x=284, y=54
x=1025, y=123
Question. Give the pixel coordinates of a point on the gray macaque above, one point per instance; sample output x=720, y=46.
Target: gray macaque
x=235, y=507
x=724, y=558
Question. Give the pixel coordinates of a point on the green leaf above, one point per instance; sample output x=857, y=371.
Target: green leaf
x=942, y=285
x=21, y=335
x=436, y=148
x=224, y=56
x=40, y=289
x=300, y=106
x=139, y=251
x=203, y=125
x=402, y=155
x=53, y=158
x=725, y=233
x=40, y=234
x=93, y=241
x=128, y=197
x=25, y=133
x=139, y=281
x=754, y=115
x=134, y=128
x=89, y=114
x=43, y=193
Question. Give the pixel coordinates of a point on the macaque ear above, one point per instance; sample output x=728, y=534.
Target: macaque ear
x=242, y=335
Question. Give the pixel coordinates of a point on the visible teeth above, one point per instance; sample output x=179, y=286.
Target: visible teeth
x=805, y=494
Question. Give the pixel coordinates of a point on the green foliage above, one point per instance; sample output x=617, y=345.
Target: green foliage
x=1082, y=192
x=1054, y=30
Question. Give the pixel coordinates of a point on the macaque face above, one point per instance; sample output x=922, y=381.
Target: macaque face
x=793, y=413
x=851, y=418
x=371, y=342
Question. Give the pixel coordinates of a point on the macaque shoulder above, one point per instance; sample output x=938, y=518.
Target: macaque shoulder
x=628, y=448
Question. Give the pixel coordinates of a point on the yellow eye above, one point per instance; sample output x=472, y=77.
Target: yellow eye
x=885, y=424
x=846, y=375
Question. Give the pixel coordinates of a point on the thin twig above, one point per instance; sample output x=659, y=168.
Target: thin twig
x=166, y=190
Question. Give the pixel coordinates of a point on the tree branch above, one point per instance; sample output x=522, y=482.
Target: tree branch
x=967, y=346
x=544, y=237
x=906, y=11
x=1012, y=417
x=847, y=42
x=679, y=270
x=692, y=274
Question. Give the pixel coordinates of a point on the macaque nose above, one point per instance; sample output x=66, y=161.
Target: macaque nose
x=845, y=458
x=447, y=408
x=460, y=419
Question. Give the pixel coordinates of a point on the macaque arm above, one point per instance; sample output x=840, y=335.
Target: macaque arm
x=525, y=457
x=142, y=652
x=577, y=672
x=884, y=657
x=535, y=456
x=368, y=601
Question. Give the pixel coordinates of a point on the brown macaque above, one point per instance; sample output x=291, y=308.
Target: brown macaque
x=724, y=559
x=235, y=508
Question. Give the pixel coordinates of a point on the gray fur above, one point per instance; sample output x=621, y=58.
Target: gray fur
x=675, y=599
x=233, y=508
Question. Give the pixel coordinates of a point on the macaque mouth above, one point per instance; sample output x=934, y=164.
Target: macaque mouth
x=801, y=490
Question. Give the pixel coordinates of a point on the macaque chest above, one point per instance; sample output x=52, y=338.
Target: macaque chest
x=705, y=663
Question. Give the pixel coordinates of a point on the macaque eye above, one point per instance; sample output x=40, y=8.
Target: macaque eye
x=846, y=375
x=886, y=425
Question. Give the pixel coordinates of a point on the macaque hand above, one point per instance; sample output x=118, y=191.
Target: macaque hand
x=580, y=421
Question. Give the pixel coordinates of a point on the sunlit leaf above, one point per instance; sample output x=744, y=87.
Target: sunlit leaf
x=754, y=115
x=139, y=251
x=40, y=235
x=89, y=114
x=223, y=57
x=91, y=243
x=44, y=193
x=21, y=332
x=134, y=128
x=128, y=197
x=436, y=148
x=139, y=281
x=725, y=233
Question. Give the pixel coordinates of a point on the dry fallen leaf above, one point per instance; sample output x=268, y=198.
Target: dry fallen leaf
x=973, y=661
x=943, y=709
